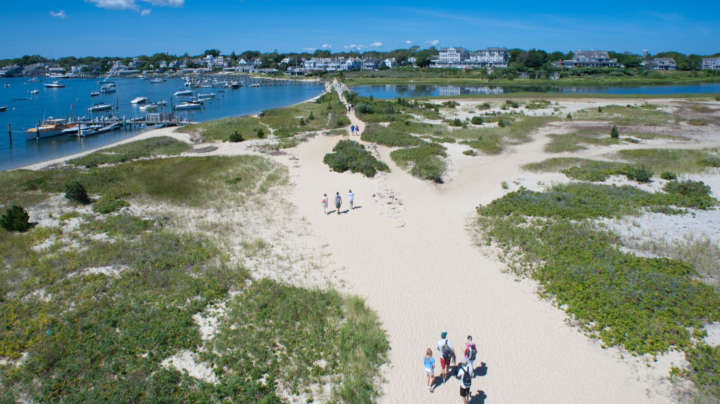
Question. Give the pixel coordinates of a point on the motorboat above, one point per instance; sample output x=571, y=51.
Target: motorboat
x=156, y=81
x=206, y=95
x=187, y=106
x=49, y=127
x=183, y=93
x=162, y=103
x=235, y=85
x=96, y=129
x=55, y=84
x=254, y=85
x=100, y=107
x=139, y=100
x=149, y=108
x=108, y=88
x=33, y=92
x=95, y=94
x=3, y=108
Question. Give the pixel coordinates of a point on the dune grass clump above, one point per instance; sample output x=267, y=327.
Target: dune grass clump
x=157, y=146
x=392, y=136
x=75, y=191
x=351, y=156
x=424, y=161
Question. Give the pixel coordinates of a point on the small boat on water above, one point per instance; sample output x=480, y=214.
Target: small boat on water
x=206, y=95
x=95, y=94
x=156, y=81
x=235, y=85
x=254, y=85
x=97, y=129
x=3, y=108
x=139, y=100
x=55, y=84
x=149, y=108
x=183, y=93
x=162, y=103
x=108, y=88
x=49, y=127
x=100, y=108
x=33, y=92
x=185, y=106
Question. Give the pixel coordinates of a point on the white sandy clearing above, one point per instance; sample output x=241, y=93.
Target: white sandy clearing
x=187, y=361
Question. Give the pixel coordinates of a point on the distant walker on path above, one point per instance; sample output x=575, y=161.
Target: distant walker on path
x=338, y=202
x=325, y=203
x=351, y=199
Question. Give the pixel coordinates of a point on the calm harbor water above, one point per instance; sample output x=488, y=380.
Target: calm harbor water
x=25, y=110
x=394, y=91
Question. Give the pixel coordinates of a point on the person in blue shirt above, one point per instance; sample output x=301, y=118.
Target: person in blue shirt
x=429, y=363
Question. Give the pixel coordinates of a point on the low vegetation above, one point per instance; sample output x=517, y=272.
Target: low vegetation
x=15, y=218
x=348, y=155
x=120, y=294
x=370, y=109
x=569, y=142
x=156, y=146
x=425, y=161
x=647, y=114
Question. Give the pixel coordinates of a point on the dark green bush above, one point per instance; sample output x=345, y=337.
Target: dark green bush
x=614, y=133
x=638, y=173
x=690, y=193
x=669, y=176
x=302, y=121
x=512, y=104
x=351, y=155
x=450, y=104
x=456, y=122
x=311, y=116
x=75, y=191
x=484, y=106
x=503, y=123
x=108, y=204
x=15, y=219
x=260, y=133
x=236, y=137
x=569, y=117
x=476, y=120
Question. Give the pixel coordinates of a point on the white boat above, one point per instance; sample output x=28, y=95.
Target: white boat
x=206, y=95
x=95, y=94
x=33, y=92
x=187, y=106
x=139, y=100
x=182, y=93
x=254, y=85
x=149, y=108
x=95, y=129
x=162, y=103
x=3, y=108
x=156, y=81
x=100, y=108
x=55, y=84
x=108, y=88
x=49, y=127
x=235, y=84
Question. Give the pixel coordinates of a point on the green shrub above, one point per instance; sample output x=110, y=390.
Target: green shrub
x=15, y=218
x=75, y=191
x=302, y=122
x=476, y=120
x=512, y=104
x=470, y=152
x=484, y=106
x=569, y=117
x=311, y=116
x=424, y=161
x=669, y=176
x=600, y=109
x=108, y=204
x=236, y=137
x=638, y=173
x=260, y=133
x=502, y=123
x=614, y=133
x=456, y=122
x=712, y=161
x=450, y=104
x=351, y=155
x=694, y=194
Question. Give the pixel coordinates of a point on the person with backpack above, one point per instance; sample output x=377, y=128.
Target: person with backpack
x=447, y=354
x=338, y=202
x=429, y=363
x=470, y=351
x=465, y=376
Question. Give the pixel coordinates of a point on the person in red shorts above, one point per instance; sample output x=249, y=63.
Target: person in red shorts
x=447, y=354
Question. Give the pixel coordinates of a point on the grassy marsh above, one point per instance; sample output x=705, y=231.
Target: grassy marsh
x=157, y=146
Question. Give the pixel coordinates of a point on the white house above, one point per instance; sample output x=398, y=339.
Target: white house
x=711, y=63
x=490, y=57
x=585, y=58
x=449, y=56
x=661, y=64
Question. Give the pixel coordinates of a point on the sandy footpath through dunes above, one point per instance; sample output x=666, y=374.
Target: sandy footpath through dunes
x=414, y=261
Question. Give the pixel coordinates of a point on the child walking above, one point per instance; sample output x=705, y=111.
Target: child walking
x=429, y=363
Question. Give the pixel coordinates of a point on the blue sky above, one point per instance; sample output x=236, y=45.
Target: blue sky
x=55, y=28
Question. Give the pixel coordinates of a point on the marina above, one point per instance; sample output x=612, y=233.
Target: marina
x=95, y=112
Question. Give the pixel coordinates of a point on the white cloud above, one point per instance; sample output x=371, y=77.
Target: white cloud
x=434, y=42
x=132, y=5
x=408, y=42
x=376, y=44
x=115, y=4
x=309, y=49
x=352, y=46
x=325, y=46
x=58, y=14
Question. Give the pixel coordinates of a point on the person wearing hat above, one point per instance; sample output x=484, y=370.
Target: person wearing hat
x=447, y=354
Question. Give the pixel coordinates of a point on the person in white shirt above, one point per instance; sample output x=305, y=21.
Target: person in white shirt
x=325, y=203
x=465, y=376
x=351, y=199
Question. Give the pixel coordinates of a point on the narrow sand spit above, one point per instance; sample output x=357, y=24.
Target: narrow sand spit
x=407, y=250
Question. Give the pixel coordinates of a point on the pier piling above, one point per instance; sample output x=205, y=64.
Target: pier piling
x=10, y=132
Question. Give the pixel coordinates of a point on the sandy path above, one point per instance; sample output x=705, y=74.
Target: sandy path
x=422, y=274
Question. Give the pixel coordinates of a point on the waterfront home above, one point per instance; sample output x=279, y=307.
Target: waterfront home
x=389, y=62
x=370, y=64
x=10, y=71
x=589, y=58
x=711, y=63
x=490, y=57
x=660, y=64
x=450, y=56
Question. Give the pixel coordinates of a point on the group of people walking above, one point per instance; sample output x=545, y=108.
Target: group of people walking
x=464, y=371
x=338, y=201
x=355, y=130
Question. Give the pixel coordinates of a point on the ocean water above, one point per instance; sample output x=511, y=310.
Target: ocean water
x=25, y=110
x=394, y=91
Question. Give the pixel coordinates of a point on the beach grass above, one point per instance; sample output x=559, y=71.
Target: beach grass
x=348, y=155
x=96, y=310
x=156, y=146
x=679, y=161
x=425, y=161
x=648, y=115
x=221, y=129
x=569, y=142
x=393, y=136
x=515, y=129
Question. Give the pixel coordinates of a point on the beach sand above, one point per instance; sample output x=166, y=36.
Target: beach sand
x=408, y=250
